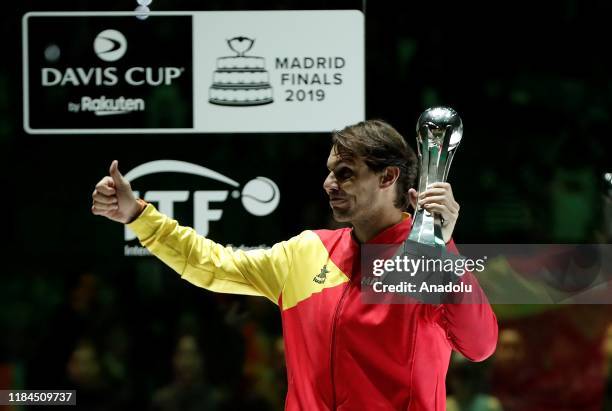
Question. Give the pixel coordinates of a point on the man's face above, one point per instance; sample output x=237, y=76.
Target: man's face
x=353, y=188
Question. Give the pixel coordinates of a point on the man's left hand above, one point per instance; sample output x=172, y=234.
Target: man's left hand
x=438, y=198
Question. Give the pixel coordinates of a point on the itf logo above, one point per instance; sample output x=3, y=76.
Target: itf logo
x=260, y=196
x=110, y=45
x=241, y=80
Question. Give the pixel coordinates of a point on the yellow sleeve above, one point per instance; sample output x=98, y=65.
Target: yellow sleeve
x=210, y=265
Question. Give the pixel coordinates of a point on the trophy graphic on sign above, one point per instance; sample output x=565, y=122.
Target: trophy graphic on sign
x=439, y=132
x=241, y=80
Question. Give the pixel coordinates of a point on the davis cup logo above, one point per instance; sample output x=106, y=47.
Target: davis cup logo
x=110, y=45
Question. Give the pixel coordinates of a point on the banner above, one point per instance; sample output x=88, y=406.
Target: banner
x=193, y=72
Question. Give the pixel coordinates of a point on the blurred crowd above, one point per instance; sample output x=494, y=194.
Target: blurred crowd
x=189, y=349
x=193, y=350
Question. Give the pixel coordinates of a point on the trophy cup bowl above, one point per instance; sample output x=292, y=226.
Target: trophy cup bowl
x=439, y=132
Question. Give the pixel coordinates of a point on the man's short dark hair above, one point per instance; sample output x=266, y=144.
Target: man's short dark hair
x=380, y=146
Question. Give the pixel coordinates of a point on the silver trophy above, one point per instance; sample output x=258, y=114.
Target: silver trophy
x=439, y=131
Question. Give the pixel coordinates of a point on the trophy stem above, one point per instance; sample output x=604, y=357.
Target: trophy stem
x=426, y=229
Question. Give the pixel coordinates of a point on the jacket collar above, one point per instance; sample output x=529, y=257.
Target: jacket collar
x=391, y=235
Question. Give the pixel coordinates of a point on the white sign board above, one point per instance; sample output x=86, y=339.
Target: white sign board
x=215, y=72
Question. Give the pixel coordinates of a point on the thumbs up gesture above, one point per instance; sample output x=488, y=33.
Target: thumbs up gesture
x=114, y=199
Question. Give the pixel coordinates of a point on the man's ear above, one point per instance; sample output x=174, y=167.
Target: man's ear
x=389, y=176
x=413, y=195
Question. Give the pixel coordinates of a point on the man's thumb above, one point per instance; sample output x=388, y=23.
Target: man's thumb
x=116, y=175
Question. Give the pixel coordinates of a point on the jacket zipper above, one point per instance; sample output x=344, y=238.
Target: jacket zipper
x=333, y=341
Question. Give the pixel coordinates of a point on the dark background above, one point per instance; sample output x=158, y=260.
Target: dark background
x=531, y=81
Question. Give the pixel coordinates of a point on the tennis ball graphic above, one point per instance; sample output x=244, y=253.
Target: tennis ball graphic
x=260, y=196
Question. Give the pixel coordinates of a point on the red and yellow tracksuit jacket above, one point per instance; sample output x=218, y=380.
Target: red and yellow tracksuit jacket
x=341, y=354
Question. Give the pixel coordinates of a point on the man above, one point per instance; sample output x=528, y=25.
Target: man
x=341, y=354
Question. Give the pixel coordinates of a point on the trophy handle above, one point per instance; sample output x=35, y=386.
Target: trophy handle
x=447, y=154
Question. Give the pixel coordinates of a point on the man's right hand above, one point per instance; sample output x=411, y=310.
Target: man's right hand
x=113, y=197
